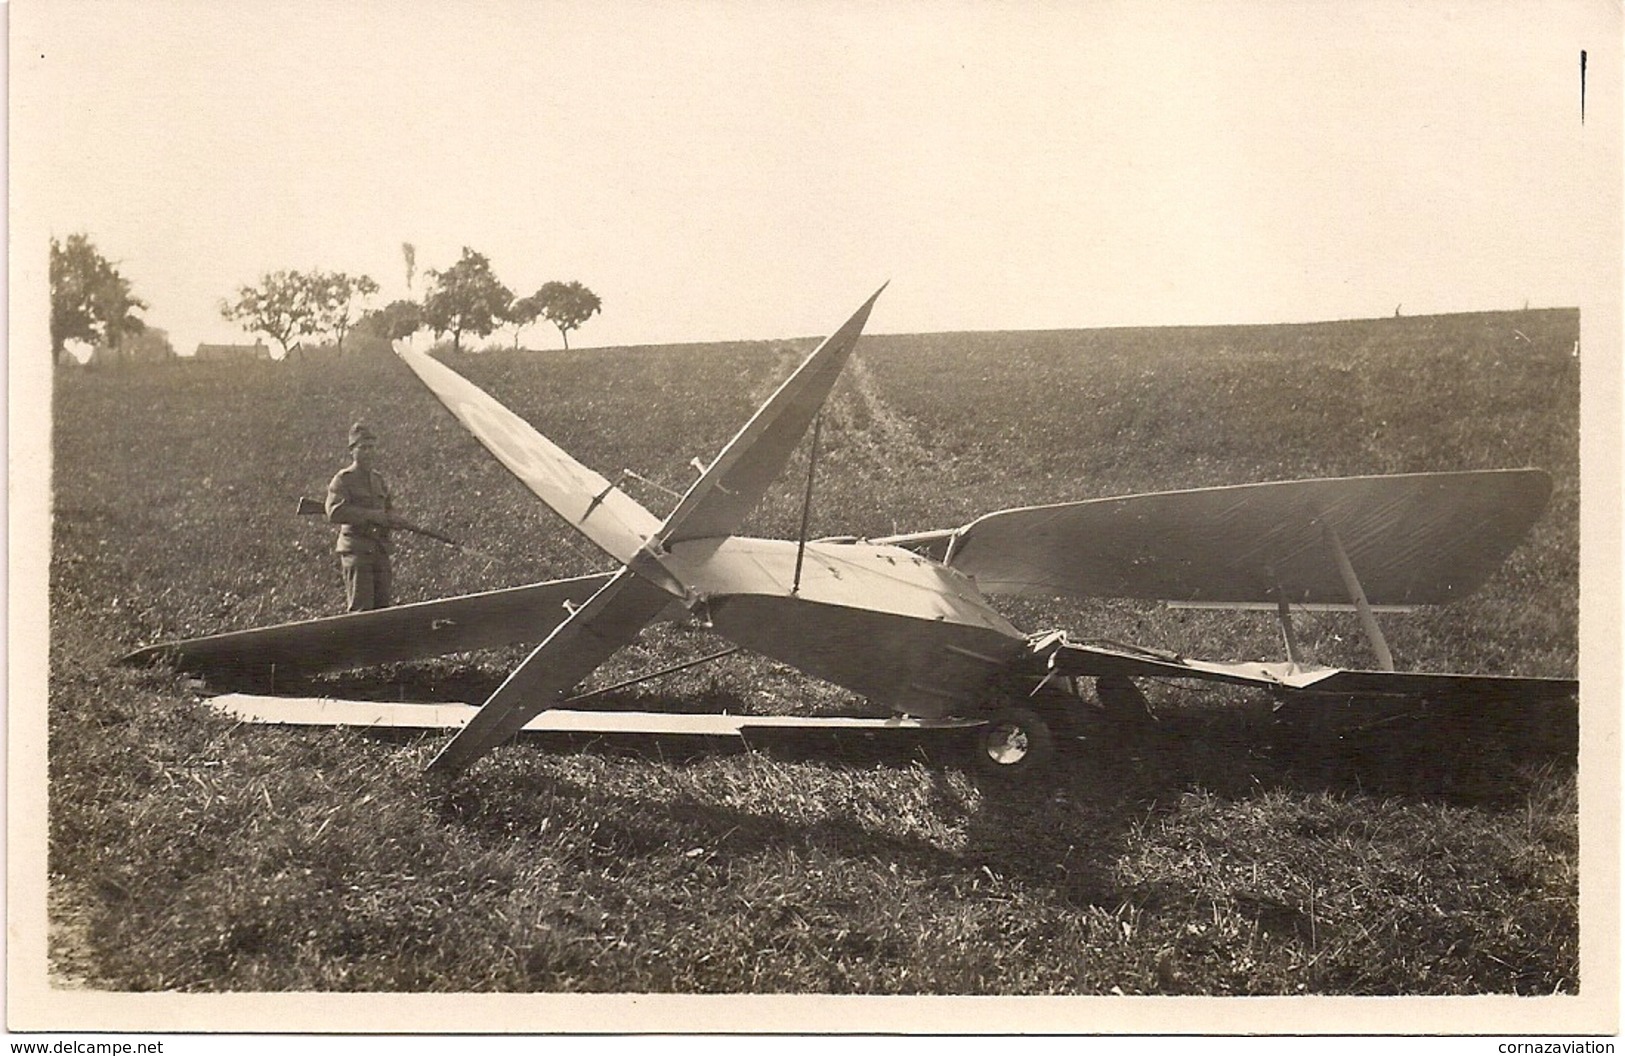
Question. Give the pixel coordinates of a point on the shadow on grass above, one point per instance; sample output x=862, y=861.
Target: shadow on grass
x=1164, y=796
x=1061, y=830
x=1058, y=830
x=429, y=683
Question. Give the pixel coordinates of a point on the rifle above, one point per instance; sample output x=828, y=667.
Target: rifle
x=309, y=507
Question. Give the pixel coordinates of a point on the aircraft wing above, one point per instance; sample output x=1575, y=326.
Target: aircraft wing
x=610, y=619
x=359, y=639
x=1092, y=661
x=612, y=519
x=1412, y=539
x=736, y=480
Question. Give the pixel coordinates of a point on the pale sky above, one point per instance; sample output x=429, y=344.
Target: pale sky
x=719, y=170
x=754, y=169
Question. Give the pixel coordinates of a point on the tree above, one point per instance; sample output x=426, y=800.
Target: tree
x=150, y=345
x=90, y=300
x=465, y=297
x=567, y=305
x=520, y=314
x=396, y=320
x=377, y=330
x=280, y=307
x=333, y=297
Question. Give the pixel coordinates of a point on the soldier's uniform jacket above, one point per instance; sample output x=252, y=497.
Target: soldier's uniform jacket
x=355, y=489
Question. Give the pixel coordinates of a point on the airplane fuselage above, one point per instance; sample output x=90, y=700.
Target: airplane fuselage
x=881, y=621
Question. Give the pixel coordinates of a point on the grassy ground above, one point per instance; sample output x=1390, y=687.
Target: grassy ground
x=1214, y=854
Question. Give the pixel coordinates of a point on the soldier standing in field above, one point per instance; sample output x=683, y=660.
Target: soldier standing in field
x=358, y=501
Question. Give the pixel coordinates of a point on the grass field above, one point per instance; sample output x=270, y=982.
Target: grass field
x=1211, y=855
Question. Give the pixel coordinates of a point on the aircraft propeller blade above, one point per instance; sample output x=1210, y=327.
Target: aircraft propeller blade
x=609, y=620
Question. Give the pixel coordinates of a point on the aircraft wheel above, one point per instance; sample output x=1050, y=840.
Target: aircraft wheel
x=1015, y=743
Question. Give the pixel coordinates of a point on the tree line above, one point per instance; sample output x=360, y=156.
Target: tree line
x=465, y=298
x=93, y=301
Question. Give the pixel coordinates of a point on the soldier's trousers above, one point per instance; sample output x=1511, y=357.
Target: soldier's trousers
x=366, y=581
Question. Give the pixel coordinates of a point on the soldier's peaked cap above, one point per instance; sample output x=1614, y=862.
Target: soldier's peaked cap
x=359, y=432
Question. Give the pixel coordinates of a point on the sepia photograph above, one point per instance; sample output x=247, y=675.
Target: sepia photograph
x=546, y=517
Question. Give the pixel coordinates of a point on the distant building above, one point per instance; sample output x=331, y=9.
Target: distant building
x=232, y=353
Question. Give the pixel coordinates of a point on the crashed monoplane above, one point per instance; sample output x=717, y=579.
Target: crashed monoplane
x=906, y=621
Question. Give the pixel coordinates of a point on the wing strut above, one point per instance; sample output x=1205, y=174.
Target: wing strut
x=1293, y=653
x=1345, y=568
x=652, y=675
x=806, y=503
